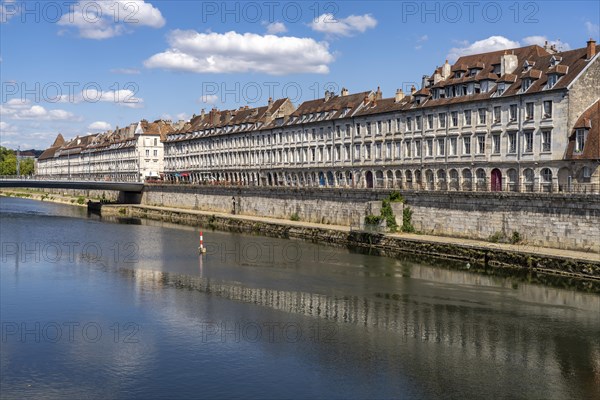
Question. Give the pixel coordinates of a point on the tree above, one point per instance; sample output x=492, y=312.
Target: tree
x=8, y=163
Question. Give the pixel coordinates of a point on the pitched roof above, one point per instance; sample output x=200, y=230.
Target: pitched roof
x=590, y=120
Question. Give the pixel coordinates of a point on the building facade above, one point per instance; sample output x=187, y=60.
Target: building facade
x=132, y=153
x=513, y=120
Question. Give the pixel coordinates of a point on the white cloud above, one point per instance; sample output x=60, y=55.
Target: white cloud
x=208, y=99
x=541, y=41
x=234, y=52
x=420, y=41
x=494, y=43
x=37, y=112
x=125, y=71
x=276, y=27
x=99, y=126
x=326, y=23
x=592, y=29
x=122, y=97
x=105, y=19
x=7, y=129
x=183, y=116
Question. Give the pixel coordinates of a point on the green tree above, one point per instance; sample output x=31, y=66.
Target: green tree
x=8, y=163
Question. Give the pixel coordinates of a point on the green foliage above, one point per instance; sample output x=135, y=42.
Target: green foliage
x=396, y=197
x=388, y=215
x=80, y=200
x=8, y=163
x=295, y=217
x=373, y=219
x=407, y=220
x=515, y=238
x=496, y=237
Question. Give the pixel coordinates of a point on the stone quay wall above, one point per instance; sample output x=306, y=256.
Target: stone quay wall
x=564, y=221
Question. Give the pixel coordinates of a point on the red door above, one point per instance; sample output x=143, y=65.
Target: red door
x=496, y=180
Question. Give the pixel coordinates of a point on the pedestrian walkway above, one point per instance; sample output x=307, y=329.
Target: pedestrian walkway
x=517, y=248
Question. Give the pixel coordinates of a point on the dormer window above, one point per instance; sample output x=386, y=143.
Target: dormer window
x=552, y=79
x=525, y=84
x=580, y=136
x=555, y=60
x=459, y=74
x=501, y=88
x=496, y=69
x=527, y=66
x=473, y=72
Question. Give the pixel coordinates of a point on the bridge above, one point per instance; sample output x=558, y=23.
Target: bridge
x=129, y=192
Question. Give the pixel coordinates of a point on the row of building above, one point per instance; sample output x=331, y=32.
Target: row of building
x=526, y=119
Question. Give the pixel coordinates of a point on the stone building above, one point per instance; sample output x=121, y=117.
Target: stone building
x=524, y=119
x=132, y=153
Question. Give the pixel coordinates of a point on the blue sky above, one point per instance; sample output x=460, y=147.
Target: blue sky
x=84, y=67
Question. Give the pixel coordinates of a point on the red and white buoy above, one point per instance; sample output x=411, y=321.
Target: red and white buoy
x=201, y=249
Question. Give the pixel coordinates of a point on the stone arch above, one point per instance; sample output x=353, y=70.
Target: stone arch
x=565, y=179
x=379, y=180
x=409, y=179
x=453, y=182
x=330, y=179
x=389, y=182
x=429, y=180
x=369, y=180
x=528, y=179
x=546, y=176
x=442, y=183
x=512, y=179
x=481, y=180
x=467, y=180
x=418, y=180
x=398, y=182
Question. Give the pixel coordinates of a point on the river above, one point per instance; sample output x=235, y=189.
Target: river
x=110, y=308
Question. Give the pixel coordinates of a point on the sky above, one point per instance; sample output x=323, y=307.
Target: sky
x=83, y=67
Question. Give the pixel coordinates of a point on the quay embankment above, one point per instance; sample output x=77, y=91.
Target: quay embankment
x=558, y=235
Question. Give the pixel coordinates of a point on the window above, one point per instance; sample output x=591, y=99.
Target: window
x=147, y=153
x=379, y=128
x=528, y=142
x=367, y=151
x=580, y=140
x=501, y=87
x=417, y=148
x=482, y=112
x=155, y=142
x=357, y=130
x=513, y=112
x=467, y=115
x=481, y=144
x=430, y=121
x=528, y=110
x=389, y=126
x=452, y=146
x=442, y=119
x=357, y=152
x=497, y=114
x=512, y=142
x=429, y=147
x=467, y=145
x=407, y=148
x=155, y=153
x=548, y=109
x=321, y=133
x=313, y=154
x=454, y=118
x=496, y=144
x=338, y=131
x=398, y=150
x=378, y=151
x=525, y=84
x=397, y=124
x=368, y=128
x=418, y=122
x=338, y=153
x=408, y=124
x=441, y=147
x=546, y=140
x=552, y=78
x=388, y=150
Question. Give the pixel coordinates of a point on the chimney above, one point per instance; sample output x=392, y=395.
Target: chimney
x=378, y=94
x=413, y=90
x=508, y=64
x=446, y=70
x=424, y=81
x=366, y=100
x=591, y=49
x=270, y=102
x=327, y=95
x=202, y=113
x=215, y=116
x=344, y=92
x=399, y=95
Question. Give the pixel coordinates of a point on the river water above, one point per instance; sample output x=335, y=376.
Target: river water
x=108, y=308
